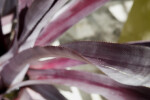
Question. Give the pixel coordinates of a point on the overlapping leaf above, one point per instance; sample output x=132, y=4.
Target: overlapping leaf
x=128, y=64
x=32, y=19
x=17, y=63
x=34, y=15
x=125, y=63
x=121, y=62
x=94, y=83
x=66, y=17
x=57, y=4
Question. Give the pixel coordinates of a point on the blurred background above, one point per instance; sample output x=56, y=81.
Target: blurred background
x=103, y=25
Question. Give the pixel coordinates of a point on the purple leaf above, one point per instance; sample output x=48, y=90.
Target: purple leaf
x=92, y=83
x=43, y=22
x=125, y=63
x=11, y=71
x=7, y=6
x=128, y=64
x=22, y=9
x=35, y=13
x=66, y=17
x=58, y=63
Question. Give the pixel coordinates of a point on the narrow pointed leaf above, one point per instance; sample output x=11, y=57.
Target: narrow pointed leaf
x=17, y=63
x=66, y=17
x=57, y=5
x=128, y=64
x=92, y=83
x=35, y=13
x=121, y=62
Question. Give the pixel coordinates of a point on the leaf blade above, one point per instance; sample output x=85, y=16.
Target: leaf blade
x=96, y=83
x=9, y=74
x=77, y=10
x=57, y=63
x=47, y=18
x=33, y=16
x=122, y=62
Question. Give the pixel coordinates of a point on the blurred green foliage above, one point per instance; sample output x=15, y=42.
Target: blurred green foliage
x=137, y=26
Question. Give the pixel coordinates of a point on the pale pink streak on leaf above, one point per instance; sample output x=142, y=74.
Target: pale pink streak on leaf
x=68, y=16
x=121, y=62
x=57, y=63
x=45, y=20
x=18, y=62
x=34, y=14
x=92, y=83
